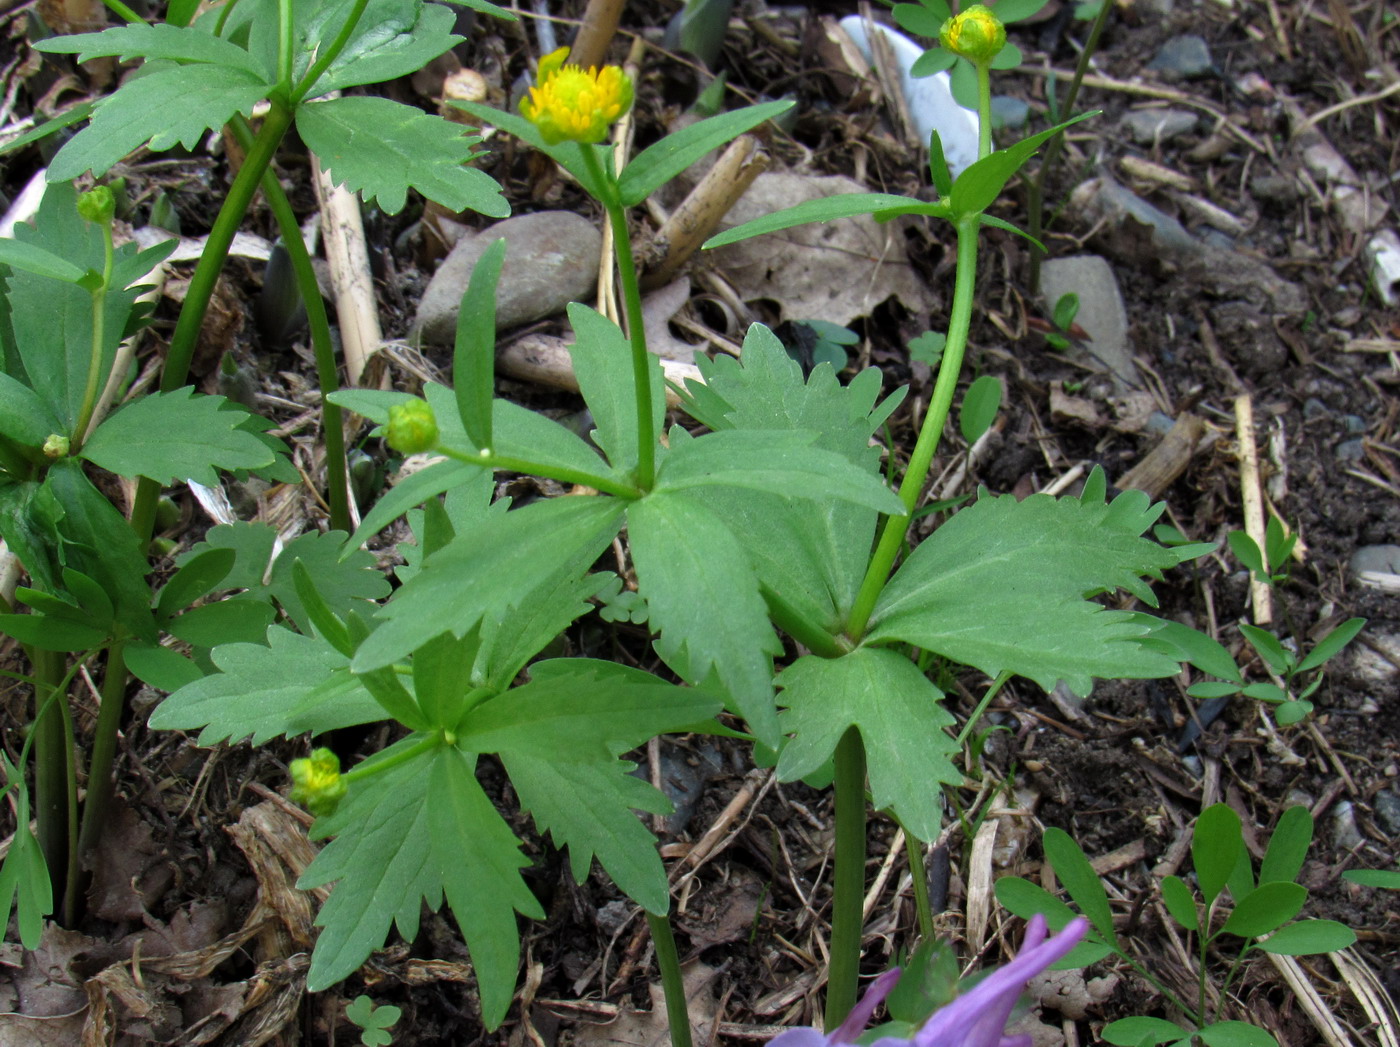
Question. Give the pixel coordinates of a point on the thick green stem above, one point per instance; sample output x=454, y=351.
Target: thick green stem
x=104, y=750
x=669, y=962
x=918, y=876
x=848, y=879
x=53, y=762
x=1035, y=187
x=636, y=329
x=327, y=373
x=984, y=108
x=896, y=527
x=284, y=50
x=368, y=770
x=552, y=472
x=201, y=288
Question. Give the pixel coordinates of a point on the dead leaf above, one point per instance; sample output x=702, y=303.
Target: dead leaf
x=650, y=1028
x=835, y=271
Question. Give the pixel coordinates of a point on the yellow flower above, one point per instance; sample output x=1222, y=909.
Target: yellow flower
x=316, y=782
x=976, y=34
x=568, y=104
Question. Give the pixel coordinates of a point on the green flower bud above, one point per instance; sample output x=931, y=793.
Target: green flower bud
x=98, y=205
x=56, y=446
x=316, y=782
x=413, y=428
x=976, y=34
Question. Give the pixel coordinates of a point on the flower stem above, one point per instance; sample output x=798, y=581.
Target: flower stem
x=985, y=701
x=918, y=876
x=552, y=472
x=104, y=750
x=896, y=527
x=331, y=53
x=327, y=373
x=52, y=762
x=984, y=108
x=99, y=336
x=848, y=888
x=673, y=984
x=636, y=329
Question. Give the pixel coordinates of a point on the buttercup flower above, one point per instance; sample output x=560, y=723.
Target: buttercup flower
x=568, y=104
x=413, y=427
x=977, y=1018
x=976, y=34
x=316, y=782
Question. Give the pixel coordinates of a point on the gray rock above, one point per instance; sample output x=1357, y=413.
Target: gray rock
x=1104, y=199
x=1314, y=408
x=1149, y=126
x=1101, y=311
x=551, y=260
x=1351, y=451
x=1387, y=808
x=1345, y=834
x=1008, y=112
x=1276, y=190
x=1182, y=57
x=1354, y=423
x=1383, y=559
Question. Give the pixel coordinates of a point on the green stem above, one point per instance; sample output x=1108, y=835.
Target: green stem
x=552, y=472
x=1148, y=976
x=977, y=713
x=1035, y=192
x=284, y=50
x=52, y=762
x=368, y=770
x=327, y=373
x=918, y=875
x=104, y=749
x=99, y=336
x=330, y=54
x=669, y=962
x=896, y=527
x=123, y=12
x=73, y=874
x=636, y=328
x=201, y=287
x=984, y=108
x=848, y=887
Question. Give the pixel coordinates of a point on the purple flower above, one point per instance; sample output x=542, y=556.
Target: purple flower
x=977, y=1018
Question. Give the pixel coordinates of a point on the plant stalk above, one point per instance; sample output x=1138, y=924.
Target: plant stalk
x=896, y=527
x=52, y=762
x=99, y=335
x=918, y=876
x=552, y=472
x=327, y=372
x=848, y=879
x=673, y=984
x=104, y=750
x=636, y=329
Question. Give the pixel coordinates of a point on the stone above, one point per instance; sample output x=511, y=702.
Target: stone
x=1387, y=808
x=1101, y=311
x=1183, y=57
x=1382, y=559
x=1351, y=451
x=1010, y=113
x=551, y=260
x=1345, y=835
x=1150, y=126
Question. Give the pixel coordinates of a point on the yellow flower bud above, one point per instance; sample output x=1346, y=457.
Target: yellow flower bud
x=316, y=783
x=413, y=427
x=976, y=34
x=568, y=104
x=98, y=205
x=56, y=446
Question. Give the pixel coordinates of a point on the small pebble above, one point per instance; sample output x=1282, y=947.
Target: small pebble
x=1183, y=57
x=1345, y=834
x=1354, y=423
x=1010, y=113
x=1351, y=451
x=1387, y=808
x=1149, y=126
x=1314, y=408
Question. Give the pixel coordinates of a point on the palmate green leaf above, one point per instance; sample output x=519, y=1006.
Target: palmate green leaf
x=173, y=105
x=1180, y=902
x=499, y=565
x=32, y=259
x=603, y=365
x=294, y=685
x=1217, y=847
x=413, y=490
x=28, y=532
x=157, y=41
x=474, y=352
x=392, y=39
x=510, y=641
x=661, y=161
x=774, y=461
x=559, y=737
x=24, y=878
x=242, y=619
x=826, y=209
x=179, y=435
x=704, y=601
x=410, y=834
x=24, y=417
x=901, y=722
x=1001, y=587
x=1311, y=937
x=1288, y=846
x=381, y=149
x=1265, y=909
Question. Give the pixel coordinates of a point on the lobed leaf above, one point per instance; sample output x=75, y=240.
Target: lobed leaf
x=157, y=41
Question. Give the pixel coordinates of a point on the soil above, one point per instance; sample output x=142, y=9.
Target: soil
x=204, y=848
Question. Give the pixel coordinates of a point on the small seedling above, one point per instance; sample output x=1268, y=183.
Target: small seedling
x=374, y=1022
x=928, y=348
x=1232, y=906
x=1066, y=309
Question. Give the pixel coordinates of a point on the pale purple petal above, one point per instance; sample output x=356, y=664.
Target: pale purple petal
x=978, y=1017
x=804, y=1036
x=860, y=1015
